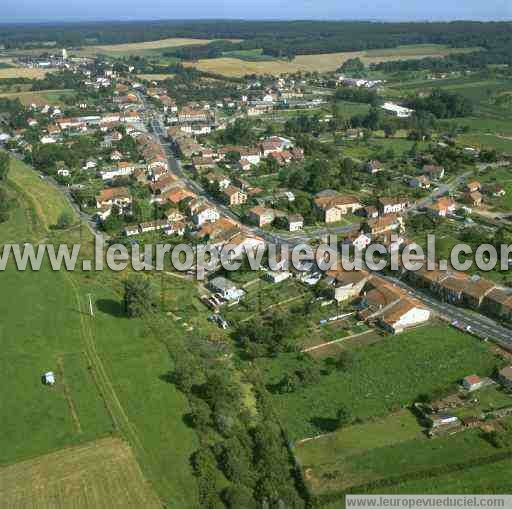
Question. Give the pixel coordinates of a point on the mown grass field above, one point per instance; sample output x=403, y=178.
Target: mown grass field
x=22, y=72
x=23, y=224
x=111, y=370
x=482, y=93
x=487, y=141
x=359, y=438
x=43, y=334
x=231, y=66
x=493, y=479
x=387, y=375
x=404, y=458
x=357, y=454
x=366, y=149
x=493, y=126
x=50, y=97
x=155, y=77
x=47, y=201
x=100, y=474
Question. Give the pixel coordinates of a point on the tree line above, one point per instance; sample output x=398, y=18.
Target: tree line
x=6, y=203
x=277, y=38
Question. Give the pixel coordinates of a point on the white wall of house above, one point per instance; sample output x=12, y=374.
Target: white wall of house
x=413, y=317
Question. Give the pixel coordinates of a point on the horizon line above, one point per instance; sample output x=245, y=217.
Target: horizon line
x=256, y=20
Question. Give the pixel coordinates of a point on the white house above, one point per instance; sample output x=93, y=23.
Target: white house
x=361, y=242
x=151, y=226
x=131, y=230
x=46, y=140
x=396, y=110
x=404, y=314
x=226, y=288
x=63, y=172
x=89, y=164
x=392, y=205
x=205, y=214
x=472, y=383
x=295, y=222
x=122, y=169
x=277, y=277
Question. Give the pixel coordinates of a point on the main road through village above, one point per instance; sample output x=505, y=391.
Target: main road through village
x=482, y=326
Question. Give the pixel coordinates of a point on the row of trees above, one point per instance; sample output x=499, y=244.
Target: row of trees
x=442, y=104
x=250, y=452
x=357, y=95
x=277, y=38
x=6, y=203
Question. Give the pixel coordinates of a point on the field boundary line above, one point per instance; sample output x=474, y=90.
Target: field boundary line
x=277, y=304
x=67, y=395
x=124, y=426
x=339, y=340
x=96, y=382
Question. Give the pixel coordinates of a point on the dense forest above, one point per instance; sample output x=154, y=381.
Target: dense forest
x=277, y=38
x=498, y=52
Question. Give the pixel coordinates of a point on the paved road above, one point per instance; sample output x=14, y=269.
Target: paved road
x=480, y=325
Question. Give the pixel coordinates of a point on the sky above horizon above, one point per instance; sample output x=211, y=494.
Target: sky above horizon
x=386, y=10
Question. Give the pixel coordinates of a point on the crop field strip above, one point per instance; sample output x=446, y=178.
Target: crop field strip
x=320, y=62
x=101, y=474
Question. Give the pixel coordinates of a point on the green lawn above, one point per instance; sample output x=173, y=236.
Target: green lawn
x=47, y=201
x=42, y=330
x=487, y=141
x=388, y=374
x=393, y=461
x=494, y=478
x=493, y=126
x=111, y=370
x=249, y=55
x=349, y=109
x=336, y=447
x=23, y=224
x=371, y=148
x=502, y=176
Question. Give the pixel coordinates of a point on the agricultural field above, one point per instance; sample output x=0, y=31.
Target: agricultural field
x=231, y=66
x=22, y=72
x=111, y=371
x=359, y=438
x=371, y=148
x=72, y=411
x=142, y=49
x=386, y=375
x=419, y=456
x=484, y=125
x=48, y=201
x=50, y=97
x=487, y=141
x=342, y=459
x=249, y=55
x=485, y=94
x=493, y=478
x=154, y=77
x=100, y=474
